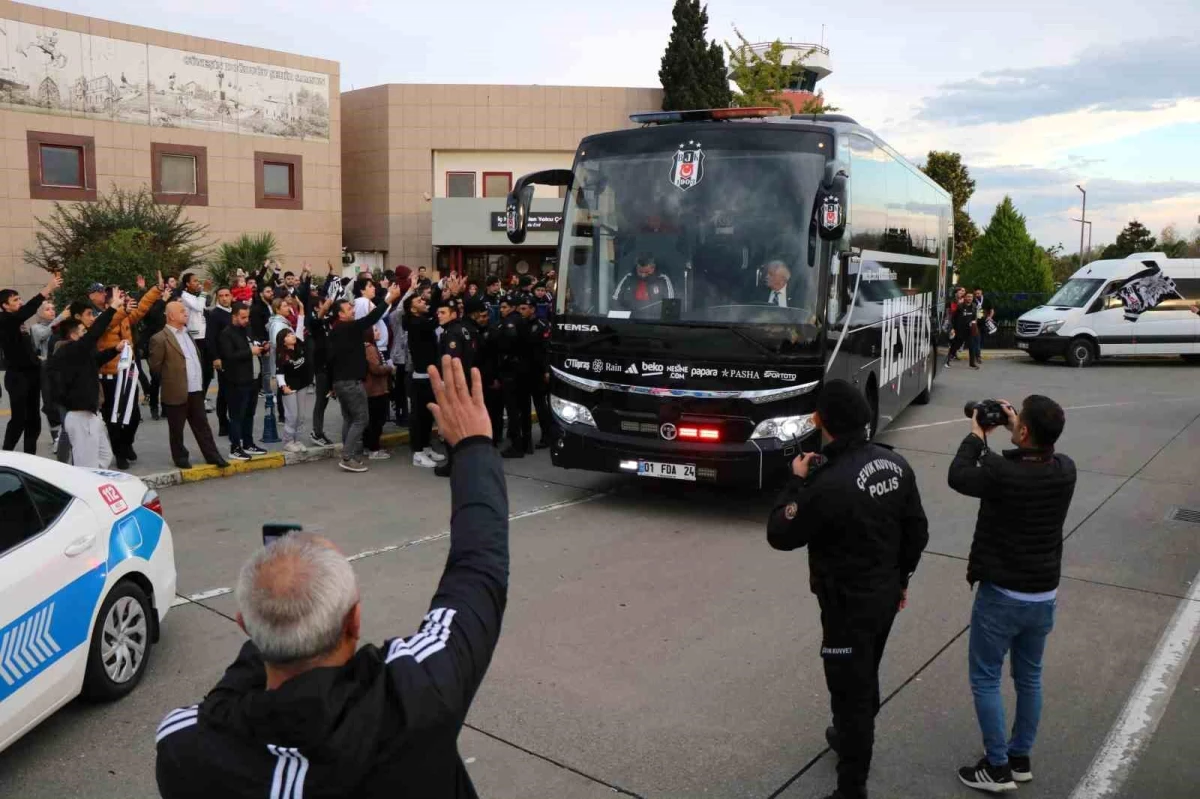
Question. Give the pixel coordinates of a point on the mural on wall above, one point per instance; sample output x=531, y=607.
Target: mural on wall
x=54, y=71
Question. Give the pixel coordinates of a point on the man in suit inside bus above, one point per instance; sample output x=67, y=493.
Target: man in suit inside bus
x=778, y=288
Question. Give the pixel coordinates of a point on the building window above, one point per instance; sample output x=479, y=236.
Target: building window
x=497, y=184
x=278, y=181
x=61, y=167
x=460, y=184
x=179, y=174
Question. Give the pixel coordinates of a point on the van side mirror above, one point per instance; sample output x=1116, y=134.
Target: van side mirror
x=516, y=206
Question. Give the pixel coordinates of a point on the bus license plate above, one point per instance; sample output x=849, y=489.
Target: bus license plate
x=670, y=471
x=1022, y=345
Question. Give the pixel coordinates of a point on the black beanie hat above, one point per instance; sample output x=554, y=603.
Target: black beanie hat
x=843, y=409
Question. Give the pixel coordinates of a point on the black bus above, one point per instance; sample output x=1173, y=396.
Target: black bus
x=714, y=268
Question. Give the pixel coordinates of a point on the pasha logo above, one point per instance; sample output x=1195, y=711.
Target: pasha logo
x=651, y=369
x=742, y=374
x=572, y=328
x=687, y=168
x=584, y=366
x=771, y=373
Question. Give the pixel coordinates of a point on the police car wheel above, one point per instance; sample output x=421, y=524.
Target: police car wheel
x=120, y=645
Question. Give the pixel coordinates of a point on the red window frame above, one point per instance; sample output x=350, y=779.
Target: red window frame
x=487, y=175
x=84, y=145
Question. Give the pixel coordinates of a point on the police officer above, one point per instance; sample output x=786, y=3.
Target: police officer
x=458, y=341
x=860, y=514
x=487, y=360
x=513, y=347
x=539, y=369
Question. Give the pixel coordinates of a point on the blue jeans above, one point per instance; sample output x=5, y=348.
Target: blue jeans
x=999, y=624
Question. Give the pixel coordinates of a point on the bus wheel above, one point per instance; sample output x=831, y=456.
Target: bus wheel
x=873, y=401
x=1082, y=352
x=924, y=397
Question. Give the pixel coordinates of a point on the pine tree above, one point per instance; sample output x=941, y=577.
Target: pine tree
x=948, y=171
x=1006, y=259
x=1134, y=238
x=693, y=69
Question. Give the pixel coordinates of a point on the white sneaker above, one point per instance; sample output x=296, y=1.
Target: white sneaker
x=436, y=457
x=379, y=455
x=295, y=446
x=423, y=460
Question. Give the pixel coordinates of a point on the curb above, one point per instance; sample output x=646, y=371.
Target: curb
x=259, y=463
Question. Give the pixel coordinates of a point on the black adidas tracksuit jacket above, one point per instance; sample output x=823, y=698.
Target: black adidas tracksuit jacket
x=386, y=723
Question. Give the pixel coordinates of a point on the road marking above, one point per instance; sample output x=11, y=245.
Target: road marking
x=1068, y=408
x=1131, y=734
x=370, y=553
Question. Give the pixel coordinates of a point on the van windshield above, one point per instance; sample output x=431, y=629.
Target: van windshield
x=1075, y=292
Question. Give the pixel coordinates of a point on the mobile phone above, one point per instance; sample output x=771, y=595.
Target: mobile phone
x=273, y=531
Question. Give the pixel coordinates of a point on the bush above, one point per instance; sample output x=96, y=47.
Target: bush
x=247, y=252
x=121, y=235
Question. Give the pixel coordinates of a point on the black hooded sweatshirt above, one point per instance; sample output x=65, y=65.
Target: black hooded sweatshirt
x=386, y=723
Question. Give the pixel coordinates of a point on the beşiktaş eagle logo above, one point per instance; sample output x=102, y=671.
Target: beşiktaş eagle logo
x=687, y=168
x=1143, y=291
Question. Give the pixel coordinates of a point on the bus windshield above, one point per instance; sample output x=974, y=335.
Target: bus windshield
x=711, y=237
x=1075, y=292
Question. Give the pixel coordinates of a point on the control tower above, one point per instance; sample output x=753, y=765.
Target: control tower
x=805, y=77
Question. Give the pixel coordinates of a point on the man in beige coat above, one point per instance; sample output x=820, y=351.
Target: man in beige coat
x=174, y=357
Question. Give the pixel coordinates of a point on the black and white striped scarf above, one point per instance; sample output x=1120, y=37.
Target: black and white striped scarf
x=125, y=393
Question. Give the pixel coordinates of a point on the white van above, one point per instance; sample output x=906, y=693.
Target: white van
x=1141, y=305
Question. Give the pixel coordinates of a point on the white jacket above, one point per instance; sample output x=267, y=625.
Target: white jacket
x=197, y=325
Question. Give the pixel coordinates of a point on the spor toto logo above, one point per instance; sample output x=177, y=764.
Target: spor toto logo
x=668, y=431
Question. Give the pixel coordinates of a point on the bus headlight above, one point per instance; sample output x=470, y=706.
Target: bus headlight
x=1052, y=327
x=571, y=412
x=785, y=428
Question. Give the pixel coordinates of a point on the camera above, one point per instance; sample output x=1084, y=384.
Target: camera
x=991, y=412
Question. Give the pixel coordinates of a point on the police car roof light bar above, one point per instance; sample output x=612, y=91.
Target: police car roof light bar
x=702, y=115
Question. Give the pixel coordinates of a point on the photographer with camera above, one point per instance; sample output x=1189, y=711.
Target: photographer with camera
x=857, y=508
x=304, y=711
x=1016, y=559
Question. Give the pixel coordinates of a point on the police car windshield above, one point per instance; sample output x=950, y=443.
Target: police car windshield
x=1075, y=292
x=696, y=226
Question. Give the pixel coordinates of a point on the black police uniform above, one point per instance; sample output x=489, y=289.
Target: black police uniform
x=513, y=347
x=487, y=360
x=423, y=347
x=861, y=517
x=386, y=723
x=539, y=368
x=459, y=342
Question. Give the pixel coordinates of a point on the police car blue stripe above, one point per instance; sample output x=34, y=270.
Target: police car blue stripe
x=37, y=639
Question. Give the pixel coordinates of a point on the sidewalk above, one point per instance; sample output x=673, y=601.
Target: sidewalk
x=154, y=463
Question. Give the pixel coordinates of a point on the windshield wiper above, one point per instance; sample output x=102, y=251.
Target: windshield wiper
x=744, y=336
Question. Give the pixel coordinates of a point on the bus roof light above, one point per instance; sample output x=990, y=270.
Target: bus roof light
x=702, y=115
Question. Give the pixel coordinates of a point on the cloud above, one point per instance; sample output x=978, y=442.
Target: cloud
x=1131, y=76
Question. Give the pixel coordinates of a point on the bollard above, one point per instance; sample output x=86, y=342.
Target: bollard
x=270, y=434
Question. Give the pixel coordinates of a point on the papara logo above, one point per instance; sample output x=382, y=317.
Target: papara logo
x=572, y=328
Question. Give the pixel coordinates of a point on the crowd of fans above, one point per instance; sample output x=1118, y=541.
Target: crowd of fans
x=366, y=342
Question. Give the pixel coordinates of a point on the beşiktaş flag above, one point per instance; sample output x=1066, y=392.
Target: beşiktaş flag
x=125, y=392
x=1144, y=290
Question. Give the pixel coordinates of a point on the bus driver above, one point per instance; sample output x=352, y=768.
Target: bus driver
x=643, y=288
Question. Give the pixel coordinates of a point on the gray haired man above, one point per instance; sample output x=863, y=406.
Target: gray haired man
x=304, y=710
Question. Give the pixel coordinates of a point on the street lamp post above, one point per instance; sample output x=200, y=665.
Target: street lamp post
x=1082, y=220
x=1087, y=222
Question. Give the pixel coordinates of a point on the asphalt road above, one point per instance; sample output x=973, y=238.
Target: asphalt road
x=656, y=646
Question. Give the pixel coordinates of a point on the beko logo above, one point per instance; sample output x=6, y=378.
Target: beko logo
x=651, y=368
x=572, y=328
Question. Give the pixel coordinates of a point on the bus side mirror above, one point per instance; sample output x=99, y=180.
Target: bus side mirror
x=516, y=206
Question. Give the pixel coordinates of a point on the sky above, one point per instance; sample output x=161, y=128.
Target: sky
x=1037, y=95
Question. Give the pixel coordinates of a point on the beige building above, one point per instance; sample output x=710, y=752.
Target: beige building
x=248, y=139
x=426, y=168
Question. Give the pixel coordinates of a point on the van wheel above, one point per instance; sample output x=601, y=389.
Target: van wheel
x=120, y=646
x=1082, y=352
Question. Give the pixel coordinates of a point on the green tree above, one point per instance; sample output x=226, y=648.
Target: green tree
x=693, y=68
x=763, y=78
x=1005, y=258
x=83, y=240
x=247, y=252
x=948, y=171
x=1134, y=238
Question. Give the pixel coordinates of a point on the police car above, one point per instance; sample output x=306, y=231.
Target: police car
x=87, y=572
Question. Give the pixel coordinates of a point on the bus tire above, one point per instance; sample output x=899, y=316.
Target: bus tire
x=924, y=397
x=1081, y=352
x=873, y=401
